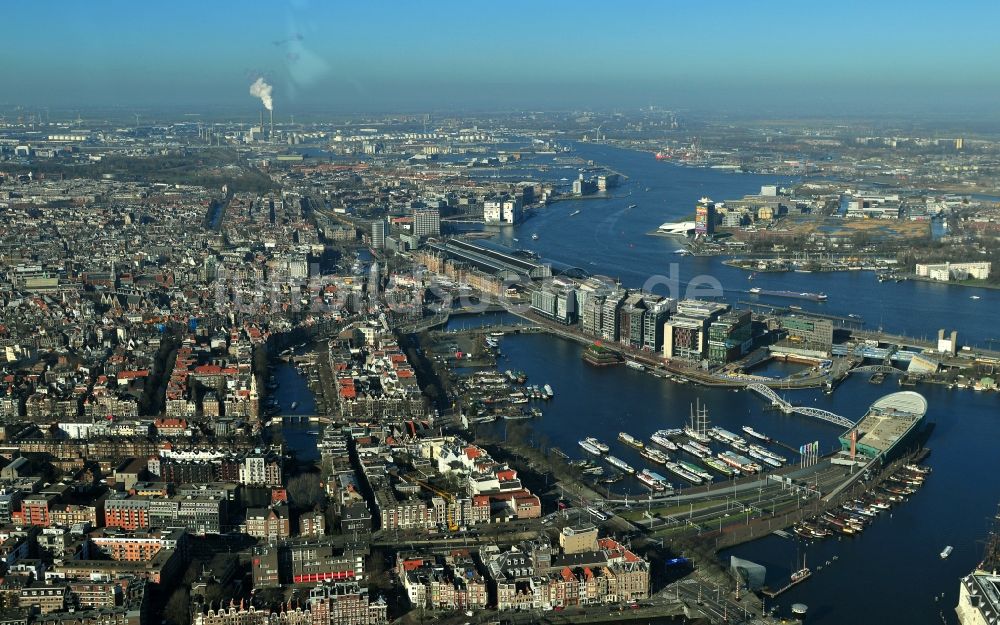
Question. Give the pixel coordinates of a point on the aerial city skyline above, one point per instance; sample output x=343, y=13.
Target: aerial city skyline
x=514, y=313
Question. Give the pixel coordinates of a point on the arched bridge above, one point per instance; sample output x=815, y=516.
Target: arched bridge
x=768, y=393
x=878, y=369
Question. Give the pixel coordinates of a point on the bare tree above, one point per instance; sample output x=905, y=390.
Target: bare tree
x=305, y=490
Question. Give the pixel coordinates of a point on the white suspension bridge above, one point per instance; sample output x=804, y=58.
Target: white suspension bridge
x=768, y=393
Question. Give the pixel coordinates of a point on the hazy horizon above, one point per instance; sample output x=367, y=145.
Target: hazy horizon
x=851, y=58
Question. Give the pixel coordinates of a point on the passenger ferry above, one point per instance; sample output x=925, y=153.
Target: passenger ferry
x=654, y=481
x=635, y=365
x=628, y=439
x=721, y=467
x=694, y=451
x=758, y=435
x=737, y=461
x=725, y=436
x=765, y=459
x=693, y=468
x=621, y=464
x=588, y=445
x=654, y=455
x=660, y=438
x=767, y=452
x=680, y=471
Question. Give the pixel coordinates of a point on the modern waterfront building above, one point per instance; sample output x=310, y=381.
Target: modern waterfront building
x=505, y=211
x=656, y=314
x=704, y=217
x=889, y=425
x=730, y=337
x=609, y=315
x=809, y=336
x=556, y=303
x=685, y=334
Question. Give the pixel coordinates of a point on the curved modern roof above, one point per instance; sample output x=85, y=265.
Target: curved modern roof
x=909, y=402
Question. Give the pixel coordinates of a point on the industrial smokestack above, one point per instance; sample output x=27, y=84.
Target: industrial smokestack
x=270, y=133
x=262, y=90
x=261, y=121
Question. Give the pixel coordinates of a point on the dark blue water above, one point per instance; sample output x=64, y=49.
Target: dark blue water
x=293, y=387
x=892, y=572
x=608, y=238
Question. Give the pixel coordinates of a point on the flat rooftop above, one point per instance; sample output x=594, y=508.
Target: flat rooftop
x=889, y=418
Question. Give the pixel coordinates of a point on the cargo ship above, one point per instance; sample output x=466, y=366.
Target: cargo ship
x=660, y=438
x=816, y=297
x=621, y=464
x=754, y=433
x=654, y=455
x=628, y=439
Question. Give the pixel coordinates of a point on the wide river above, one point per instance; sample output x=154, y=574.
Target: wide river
x=892, y=573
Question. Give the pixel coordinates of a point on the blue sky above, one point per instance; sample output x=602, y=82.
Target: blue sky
x=412, y=55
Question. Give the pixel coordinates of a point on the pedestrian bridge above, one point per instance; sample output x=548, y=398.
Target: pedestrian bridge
x=768, y=393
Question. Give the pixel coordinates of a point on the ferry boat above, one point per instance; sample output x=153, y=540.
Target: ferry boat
x=700, y=472
x=694, y=451
x=721, y=467
x=589, y=446
x=654, y=481
x=725, y=436
x=660, y=438
x=548, y=391
x=598, y=444
x=680, y=471
x=635, y=365
x=765, y=459
x=294, y=405
x=947, y=552
x=621, y=464
x=628, y=439
x=754, y=433
x=767, y=452
x=737, y=461
x=654, y=455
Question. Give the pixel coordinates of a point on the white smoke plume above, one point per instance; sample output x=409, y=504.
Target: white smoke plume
x=262, y=90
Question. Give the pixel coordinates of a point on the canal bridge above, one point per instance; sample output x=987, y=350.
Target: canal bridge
x=768, y=393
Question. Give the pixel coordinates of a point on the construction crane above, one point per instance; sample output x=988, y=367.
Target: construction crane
x=448, y=497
